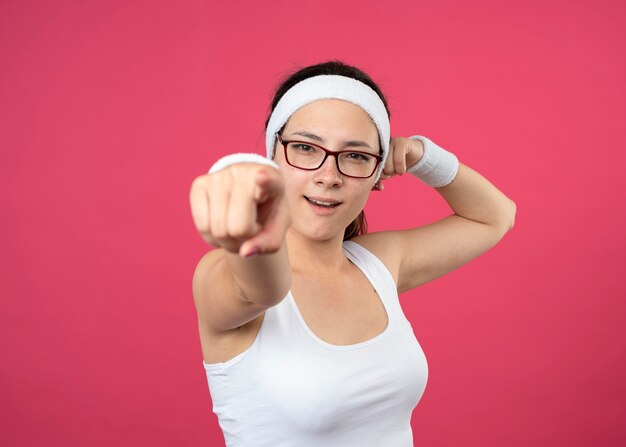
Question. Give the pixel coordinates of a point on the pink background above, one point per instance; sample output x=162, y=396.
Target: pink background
x=109, y=110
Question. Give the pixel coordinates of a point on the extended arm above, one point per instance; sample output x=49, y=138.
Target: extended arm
x=241, y=209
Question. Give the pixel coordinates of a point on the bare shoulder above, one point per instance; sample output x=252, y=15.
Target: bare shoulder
x=385, y=245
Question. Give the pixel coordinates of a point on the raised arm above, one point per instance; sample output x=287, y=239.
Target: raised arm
x=482, y=216
x=242, y=210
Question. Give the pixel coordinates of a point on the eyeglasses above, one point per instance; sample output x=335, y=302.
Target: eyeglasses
x=309, y=156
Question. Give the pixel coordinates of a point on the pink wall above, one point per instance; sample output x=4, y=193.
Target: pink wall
x=109, y=109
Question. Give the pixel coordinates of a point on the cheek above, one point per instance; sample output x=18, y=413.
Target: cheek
x=294, y=180
x=361, y=195
x=363, y=200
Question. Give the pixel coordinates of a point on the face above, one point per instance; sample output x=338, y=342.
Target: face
x=335, y=125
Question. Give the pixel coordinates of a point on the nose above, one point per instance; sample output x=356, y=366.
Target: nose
x=328, y=174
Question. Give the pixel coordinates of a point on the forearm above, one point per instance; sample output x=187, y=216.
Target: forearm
x=263, y=279
x=472, y=196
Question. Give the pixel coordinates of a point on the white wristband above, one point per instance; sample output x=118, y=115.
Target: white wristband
x=437, y=167
x=240, y=158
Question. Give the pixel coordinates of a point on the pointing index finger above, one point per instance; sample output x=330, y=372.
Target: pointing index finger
x=269, y=184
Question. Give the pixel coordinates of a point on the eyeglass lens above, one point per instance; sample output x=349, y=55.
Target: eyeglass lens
x=309, y=156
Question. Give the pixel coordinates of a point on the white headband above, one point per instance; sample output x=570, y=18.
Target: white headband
x=330, y=87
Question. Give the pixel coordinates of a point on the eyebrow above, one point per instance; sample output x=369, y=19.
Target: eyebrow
x=349, y=143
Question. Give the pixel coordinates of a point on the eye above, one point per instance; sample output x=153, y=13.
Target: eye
x=303, y=147
x=359, y=157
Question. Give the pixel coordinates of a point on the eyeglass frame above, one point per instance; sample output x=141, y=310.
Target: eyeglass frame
x=284, y=143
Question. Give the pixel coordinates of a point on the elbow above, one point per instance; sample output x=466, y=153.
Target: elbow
x=508, y=218
x=512, y=214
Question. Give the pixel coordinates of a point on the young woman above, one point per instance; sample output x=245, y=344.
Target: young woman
x=303, y=337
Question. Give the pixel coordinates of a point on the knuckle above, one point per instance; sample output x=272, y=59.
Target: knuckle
x=199, y=183
x=220, y=237
x=219, y=179
x=202, y=224
x=218, y=231
x=238, y=231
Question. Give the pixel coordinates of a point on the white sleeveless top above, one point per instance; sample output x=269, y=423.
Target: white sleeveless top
x=290, y=388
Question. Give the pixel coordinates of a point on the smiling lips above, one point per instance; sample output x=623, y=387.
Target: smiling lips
x=323, y=202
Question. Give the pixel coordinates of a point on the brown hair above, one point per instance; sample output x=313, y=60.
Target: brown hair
x=334, y=67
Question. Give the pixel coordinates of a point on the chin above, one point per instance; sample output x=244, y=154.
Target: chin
x=319, y=233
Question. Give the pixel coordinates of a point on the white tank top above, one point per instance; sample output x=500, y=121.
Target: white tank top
x=291, y=388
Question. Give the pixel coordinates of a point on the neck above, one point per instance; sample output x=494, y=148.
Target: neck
x=306, y=255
